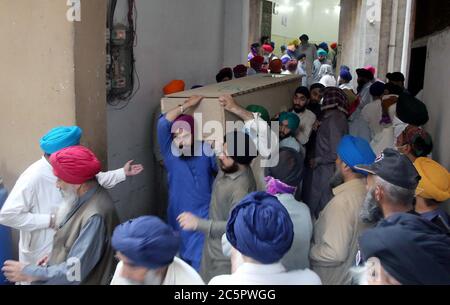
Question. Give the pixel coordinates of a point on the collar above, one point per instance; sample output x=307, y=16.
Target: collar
x=388, y=96
x=349, y=186
x=285, y=196
x=433, y=214
x=235, y=175
x=47, y=163
x=261, y=269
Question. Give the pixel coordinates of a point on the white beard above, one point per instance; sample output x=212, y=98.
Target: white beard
x=360, y=275
x=70, y=197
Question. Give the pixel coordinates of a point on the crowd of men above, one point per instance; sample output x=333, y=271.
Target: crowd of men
x=354, y=199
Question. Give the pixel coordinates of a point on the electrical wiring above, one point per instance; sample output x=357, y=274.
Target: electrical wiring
x=121, y=100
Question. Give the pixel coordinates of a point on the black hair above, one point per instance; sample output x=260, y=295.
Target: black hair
x=240, y=147
x=393, y=89
x=304, y=37
x=304, y=91
x=316, y=86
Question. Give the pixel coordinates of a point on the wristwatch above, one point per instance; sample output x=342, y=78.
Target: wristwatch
x=181, y=109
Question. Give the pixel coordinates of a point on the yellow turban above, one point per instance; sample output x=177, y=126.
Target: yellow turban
x=294, y=42
x=435, y=182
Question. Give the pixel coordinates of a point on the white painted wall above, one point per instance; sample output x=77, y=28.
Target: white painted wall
x=436, y=95
x=319, y=19
x=359, y=34
x=177, y=39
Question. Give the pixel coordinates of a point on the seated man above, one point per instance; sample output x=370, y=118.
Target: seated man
x=260, y=230
x=146, y=248
x=82, y=252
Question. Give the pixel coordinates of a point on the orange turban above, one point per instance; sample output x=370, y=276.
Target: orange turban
x=174, y=87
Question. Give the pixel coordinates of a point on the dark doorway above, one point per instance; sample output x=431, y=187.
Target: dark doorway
x=417, y=70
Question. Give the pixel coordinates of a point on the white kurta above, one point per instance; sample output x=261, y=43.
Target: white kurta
x=31, y=202
x=273, y=274
x=259, y=132
x=307, y=120
x=382, y=136
x=358, y=127
x=178, y=273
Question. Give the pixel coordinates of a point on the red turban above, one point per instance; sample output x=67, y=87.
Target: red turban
x=240, y=71
x=75, y=164
x=257, y=62
x=333, y=45
x=268, y=48
x=174, y=87
x=276, y=66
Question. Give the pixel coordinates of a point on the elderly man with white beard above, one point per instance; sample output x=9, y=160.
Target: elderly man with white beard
x=32, y=204
x=146, y=248
x=391, y=186
x=82, y=252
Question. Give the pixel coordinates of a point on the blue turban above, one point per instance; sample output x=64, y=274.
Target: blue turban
x=345, y=74
x=344, y=67
x=354, y=151
x=60, y=137
x=293, y=120
x=147, y=241
x=260, y=227
x=322, y=52
x=324, y=46
x=410, y=248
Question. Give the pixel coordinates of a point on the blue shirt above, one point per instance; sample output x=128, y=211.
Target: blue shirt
x=5, y=237
x=190, y=185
